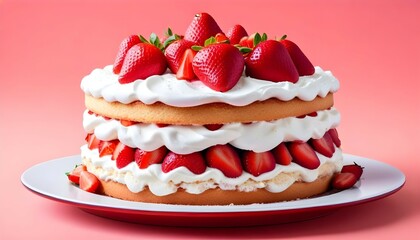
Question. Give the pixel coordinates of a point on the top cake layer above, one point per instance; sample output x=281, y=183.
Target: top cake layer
x=103, y=83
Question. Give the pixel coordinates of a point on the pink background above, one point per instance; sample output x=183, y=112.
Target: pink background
x=372, y=47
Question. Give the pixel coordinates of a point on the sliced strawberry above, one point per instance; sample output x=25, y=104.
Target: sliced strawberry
x=213, y=127
x=88, y=136
x=142, y=61
x=127, y=123
x=356, y=169
x=269, y=60
x=323, y=145
x=161, y=125
x=201, y=28
x=123, y=155
x=175, y=52
x=334, y=135
x=302, y=63
x=125, y=45
x=193, y=161
x=224, y=158
x=74, y=175
x=219, y=66
x=146, y=158
x=248, y=41
x=282, y=155
x=258, y=163
x=88, y=182
x=185, y=70
x=107, y=147
x=313, y=114
x=343, y=181
x=92, y=141
x=303, y=155
x=236, y=33
x=221, y=38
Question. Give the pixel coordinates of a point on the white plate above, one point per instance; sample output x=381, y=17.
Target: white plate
x=49, y=180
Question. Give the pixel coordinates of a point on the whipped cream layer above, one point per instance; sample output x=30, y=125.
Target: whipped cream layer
x=256, y=136
x=161, y=183
x=103, y=83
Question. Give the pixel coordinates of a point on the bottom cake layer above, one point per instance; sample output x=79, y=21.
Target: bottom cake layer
x=297, y=190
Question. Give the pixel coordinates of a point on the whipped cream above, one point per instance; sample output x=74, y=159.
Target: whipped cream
x=194, y=138
x=103, y=83
x=161, y=183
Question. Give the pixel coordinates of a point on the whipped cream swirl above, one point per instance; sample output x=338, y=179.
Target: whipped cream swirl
x=103, y=83
x=256, y=136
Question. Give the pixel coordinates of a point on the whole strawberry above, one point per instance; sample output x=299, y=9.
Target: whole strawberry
x=142, y=61
x=269, y=60
x=174, y=53
x=302, y=63
x=125, y=45
x=201, y=28
x=219, y=66
x=236, y=33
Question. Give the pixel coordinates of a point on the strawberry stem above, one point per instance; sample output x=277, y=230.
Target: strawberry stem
x=283, y=37
x=169, y=32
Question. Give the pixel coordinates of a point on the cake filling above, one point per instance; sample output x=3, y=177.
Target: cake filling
x=193, y=138
x=161, y=183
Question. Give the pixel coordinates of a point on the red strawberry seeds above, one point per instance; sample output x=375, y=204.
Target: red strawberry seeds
x=302, y=63
x=142, y=61
x=270, y=61
x=219, y=66
x=201, y=28
x=125, y=45
x=175, y=52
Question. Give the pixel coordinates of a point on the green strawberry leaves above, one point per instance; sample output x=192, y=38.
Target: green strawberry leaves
x=171, y=37
x=154, y=39
x=259, y=38
x=243, y=50
x=209, y=41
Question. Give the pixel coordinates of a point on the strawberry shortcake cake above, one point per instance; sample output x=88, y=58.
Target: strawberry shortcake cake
x=210, y=118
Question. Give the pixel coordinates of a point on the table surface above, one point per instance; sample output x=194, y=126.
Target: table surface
x=47, y=47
